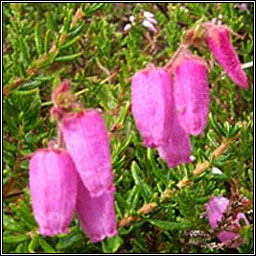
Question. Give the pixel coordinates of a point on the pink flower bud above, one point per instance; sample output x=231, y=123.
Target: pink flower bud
x=86, y=139
x=218, y=40
x=60, y=92
x=96, y=214
x=53, y=187
x=215, y=208
x=191, y=93
x=151, y=104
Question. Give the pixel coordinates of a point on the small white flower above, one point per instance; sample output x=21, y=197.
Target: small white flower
x=192, y=158
x=220, y=17
x=214, y=20
x=127, y=27
x=149, y=25
x=216, y=170
x=152, y=20
x=131, y=19
x=148, y=14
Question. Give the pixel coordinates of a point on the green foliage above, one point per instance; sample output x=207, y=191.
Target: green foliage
x=43, y=45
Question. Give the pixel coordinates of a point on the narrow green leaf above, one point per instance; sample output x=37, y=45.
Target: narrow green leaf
x=70, y=42
x=67, y=21
x=69, y=57
x=47, y=60
x=33, y=243
x=76, y=31
x=47, y=41
x=14, y=239
x=145, y=189
x=70, y=240
x=166, y=225
x=45, y=246
x=38, y=40
x=24, y=50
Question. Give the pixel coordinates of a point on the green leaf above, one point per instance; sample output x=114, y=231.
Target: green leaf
x=70, y=240
x=24, y=51
x=111, y=244
x=76, y=31
x=33, y=243
x=46, y=246
x=166, y=225
x=145, y=188
x=10, y=224
x=38, y=40
x=217, y=127
x=47, y=59
x=67, y=21
x=47, y=41
x=14, y=239
x=93, y=8
x=70, y=42
x=69, y=57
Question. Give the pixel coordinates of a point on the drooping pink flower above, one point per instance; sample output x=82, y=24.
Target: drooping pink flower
x=53, y=187
x=154, y=112
x=177, y=149
x=96, y=214
x=87, y=142
x=215, y=208
x=191, y=93
x=218, y=40
x=151, y=104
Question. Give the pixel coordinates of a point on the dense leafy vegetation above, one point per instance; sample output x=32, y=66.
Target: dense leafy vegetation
x=85, y=43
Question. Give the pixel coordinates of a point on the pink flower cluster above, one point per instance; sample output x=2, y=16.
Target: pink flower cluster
x=171, y=103
x=77, y=178
x=215, y=209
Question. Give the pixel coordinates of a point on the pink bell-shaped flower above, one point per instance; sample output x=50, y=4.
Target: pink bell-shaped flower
x=218, y=41
x=151, y=104
x=177, y=149
x=154, y=112
x=215, y=209
x=53, y=187
x=87, y=142
x=191, y=93
x=96, y=214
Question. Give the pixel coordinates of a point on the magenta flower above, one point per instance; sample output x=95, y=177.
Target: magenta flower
x=215, y=209
x=155, y=115
x=191, y=93
x=86, y=140
x=96, y=214
x=53, y=187
x=177, y=149
x=151, y=104
x=218, y=40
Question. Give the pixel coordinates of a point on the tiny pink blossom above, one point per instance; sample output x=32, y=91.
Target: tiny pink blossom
x=96, y=214
x=53, y=187
x=215, y=208
x=191, y=93
x=218, y=40
x=87, y=142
